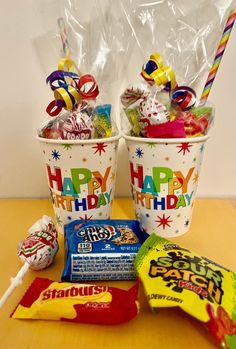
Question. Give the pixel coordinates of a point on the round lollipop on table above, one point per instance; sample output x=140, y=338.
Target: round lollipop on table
x=37, y=251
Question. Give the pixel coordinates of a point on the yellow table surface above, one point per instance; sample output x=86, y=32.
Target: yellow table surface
x=212, y=234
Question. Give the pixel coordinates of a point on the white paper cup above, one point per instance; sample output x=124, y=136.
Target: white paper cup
x=164, y=179
x=81, y=177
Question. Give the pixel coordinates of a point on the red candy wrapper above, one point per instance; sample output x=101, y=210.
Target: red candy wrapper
x=49, y=300
x=167, y=130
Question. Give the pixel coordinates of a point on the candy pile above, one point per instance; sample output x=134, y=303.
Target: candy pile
x=172, y=276
x=161, y=108
x=76, y=93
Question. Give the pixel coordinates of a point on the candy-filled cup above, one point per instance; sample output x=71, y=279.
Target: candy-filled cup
x=81, y=177
x=164, y=179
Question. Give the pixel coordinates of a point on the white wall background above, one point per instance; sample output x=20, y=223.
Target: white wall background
x=24, y=95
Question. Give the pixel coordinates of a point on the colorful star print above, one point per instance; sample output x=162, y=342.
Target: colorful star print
x=184, y=147
x=113, y=176
x=196, y=177
x=100, y=147
x=139, y=152
x=58, y=220
x=85, y=218
x=56, y=155
x=67, y=146
x=164, y=221
x=151, y=145
x=186, y=223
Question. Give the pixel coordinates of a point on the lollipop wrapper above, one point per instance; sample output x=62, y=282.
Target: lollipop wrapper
x=49, y=300
x=197, y=121
x=173, y=276
x=86, y=121
x=41, y=246
x=168, y=130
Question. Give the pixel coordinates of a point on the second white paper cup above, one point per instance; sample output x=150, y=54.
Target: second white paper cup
x=164, y=179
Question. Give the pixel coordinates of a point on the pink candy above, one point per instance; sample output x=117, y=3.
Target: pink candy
x=152, y=113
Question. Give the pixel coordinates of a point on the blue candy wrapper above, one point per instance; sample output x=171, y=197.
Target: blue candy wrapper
x=101, y=249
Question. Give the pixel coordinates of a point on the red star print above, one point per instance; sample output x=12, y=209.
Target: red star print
x=100, y=147
x=163, y=221
x=85, y=218
x=184, y=147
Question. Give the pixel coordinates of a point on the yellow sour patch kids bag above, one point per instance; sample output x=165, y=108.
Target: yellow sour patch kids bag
x=174, y=276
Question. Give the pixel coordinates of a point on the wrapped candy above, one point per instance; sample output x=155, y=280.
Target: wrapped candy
x=76, y=93
x=196, y=121
x=152, y=113
x=37, y=251
x=153, y=116
x=73, y=302
x=40, y=247
x=173, y=276
x=133, y=94
x=101, y=249
x=190, y=51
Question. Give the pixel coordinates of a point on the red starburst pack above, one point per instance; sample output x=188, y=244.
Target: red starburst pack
x=176, y=277
x=49, y=300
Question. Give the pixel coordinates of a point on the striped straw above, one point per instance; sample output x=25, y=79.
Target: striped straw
x=218, y=57
x=64, y=36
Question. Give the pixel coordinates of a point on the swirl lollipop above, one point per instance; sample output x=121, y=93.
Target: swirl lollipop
x=133, y=94
x=37, y=251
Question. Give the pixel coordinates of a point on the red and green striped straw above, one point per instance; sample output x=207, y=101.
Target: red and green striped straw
x=218, y=57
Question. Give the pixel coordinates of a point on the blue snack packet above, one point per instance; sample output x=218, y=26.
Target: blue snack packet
x=101, y=249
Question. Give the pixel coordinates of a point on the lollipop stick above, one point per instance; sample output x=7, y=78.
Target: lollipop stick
x=17, y=280
x=218, y=57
